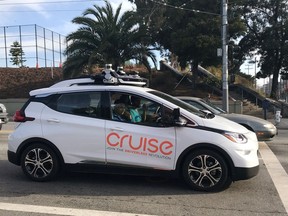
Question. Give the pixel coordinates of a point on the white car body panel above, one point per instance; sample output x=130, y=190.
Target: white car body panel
x=140, y=145
x=243, y=155
x=80, y=138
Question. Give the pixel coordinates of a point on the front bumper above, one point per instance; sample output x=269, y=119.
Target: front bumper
x=13, y=158
x=266, y=135
x=244, y=173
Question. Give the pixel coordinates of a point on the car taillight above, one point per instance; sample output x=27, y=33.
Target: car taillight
x=20, y=117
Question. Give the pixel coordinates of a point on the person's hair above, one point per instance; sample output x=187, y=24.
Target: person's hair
x=119, y=106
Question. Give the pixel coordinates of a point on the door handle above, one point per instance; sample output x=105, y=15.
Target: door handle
x=117, y=129
x=53, y=120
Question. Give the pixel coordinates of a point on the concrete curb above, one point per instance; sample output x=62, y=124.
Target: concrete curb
x=6, y=131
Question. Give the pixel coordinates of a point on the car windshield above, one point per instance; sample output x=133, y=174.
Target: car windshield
x=219, y=110
x=179, y=103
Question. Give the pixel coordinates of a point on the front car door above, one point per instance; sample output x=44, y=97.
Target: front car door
x=146, y=143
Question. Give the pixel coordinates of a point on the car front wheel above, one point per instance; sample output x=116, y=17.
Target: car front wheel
x=206, y=170
x=39, y=162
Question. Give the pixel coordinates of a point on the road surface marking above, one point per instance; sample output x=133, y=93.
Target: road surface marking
x=276, y=171
x=60, y=211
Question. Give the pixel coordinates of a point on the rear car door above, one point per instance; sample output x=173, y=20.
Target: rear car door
x=75, y=123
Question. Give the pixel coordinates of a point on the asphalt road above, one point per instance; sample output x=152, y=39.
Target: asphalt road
x=279, y=146
x=99, y=194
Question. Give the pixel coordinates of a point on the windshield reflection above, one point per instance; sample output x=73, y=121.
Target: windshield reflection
x=179, y=103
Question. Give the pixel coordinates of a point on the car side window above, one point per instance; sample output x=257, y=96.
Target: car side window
x=83, y=104
x=135, y=109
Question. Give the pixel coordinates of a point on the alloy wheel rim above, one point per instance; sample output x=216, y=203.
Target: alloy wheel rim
x=205, y=171
x=38, y=163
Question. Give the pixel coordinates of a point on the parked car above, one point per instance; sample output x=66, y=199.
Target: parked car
x=3, y=115
x=71, y=125
x=264, y=130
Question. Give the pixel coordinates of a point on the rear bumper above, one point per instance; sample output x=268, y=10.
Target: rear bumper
x=245, y=173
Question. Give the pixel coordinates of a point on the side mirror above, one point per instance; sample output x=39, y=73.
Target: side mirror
x=176, y=113
x=208, y=114
x=177, y=118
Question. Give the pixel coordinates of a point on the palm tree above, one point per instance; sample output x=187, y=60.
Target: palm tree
x=105, y=37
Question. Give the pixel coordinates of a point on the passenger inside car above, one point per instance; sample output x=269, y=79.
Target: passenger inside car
x=134, y=112
x=120, y=113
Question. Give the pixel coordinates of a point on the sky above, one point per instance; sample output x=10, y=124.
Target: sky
x=56, y=16
x=51, y=14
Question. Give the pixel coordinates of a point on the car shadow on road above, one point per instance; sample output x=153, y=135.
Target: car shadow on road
x=15, y=183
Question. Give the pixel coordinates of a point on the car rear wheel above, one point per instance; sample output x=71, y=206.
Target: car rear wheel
x=39, y=162
x=206, y=170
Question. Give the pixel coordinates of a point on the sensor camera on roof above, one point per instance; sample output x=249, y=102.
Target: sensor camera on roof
x=107, y=77
x=120, y=77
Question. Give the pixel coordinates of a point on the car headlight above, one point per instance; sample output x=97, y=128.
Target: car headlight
x=236, y=137
x=268, y=125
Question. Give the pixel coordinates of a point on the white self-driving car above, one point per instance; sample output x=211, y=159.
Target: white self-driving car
x=112, y=124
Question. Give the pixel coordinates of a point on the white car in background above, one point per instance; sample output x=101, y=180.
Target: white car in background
x=3, y=115
x=264, y=130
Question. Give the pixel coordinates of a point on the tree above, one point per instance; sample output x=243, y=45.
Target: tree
x=267, y=36
x=17, y=54
x=105, y=37
x=189, y=29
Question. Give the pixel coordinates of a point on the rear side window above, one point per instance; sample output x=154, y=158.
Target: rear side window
x=81, y=103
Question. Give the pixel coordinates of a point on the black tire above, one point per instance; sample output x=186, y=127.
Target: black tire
x=0, y=126
x=206, y=170
x=39, y=162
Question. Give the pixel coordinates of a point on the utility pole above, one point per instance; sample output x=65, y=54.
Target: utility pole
x=225, y=91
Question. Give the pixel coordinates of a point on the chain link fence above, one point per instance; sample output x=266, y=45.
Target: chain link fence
x=41, y=47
